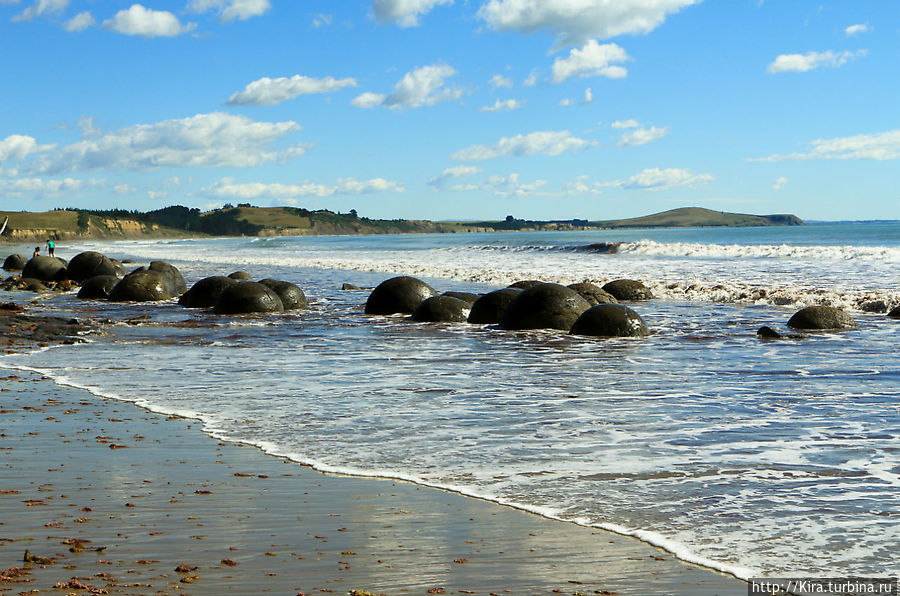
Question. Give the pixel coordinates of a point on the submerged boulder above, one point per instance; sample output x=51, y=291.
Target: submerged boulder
x=45, y=269
x=610, y=320
x=240, y=276
x=142, y=285
x=442, y=309
x=292, y=297
x=895, y=313
x=545, y=306
x=821, y=318
x=205, y=292
x=464, y=296
x=628, y=289
x=525, y=284
x=98, y=287
x=15, y=262
x=398, y=295
x=172, y=274
x=247, y=297
x=489, y=307
x=594, y=294
x=30, y=284
x=89, y=264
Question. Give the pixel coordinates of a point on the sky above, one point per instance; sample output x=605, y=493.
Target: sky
x=453, y=109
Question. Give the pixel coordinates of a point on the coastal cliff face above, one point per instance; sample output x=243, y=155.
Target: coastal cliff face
x=63, y=226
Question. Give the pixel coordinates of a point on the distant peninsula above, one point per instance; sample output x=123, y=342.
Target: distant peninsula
x=248, y=220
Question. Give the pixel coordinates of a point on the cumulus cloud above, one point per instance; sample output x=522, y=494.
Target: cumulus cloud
x=145, y=22
x=498, y=81
x=531, y=81
x=856, y=29
x=574, y=22
x=504, y=106
x=453, y=173
x=124, y=189
x=642, y=136
x=878, y=147
x=19, y=147
x=661, y=179
x=230, y=10
x=592, y=60
x=40, y=187
x=812, y=60
x=535, y=143
x=588, y=97
x=229, y=189
x=404, y=12
x=424, y=86
x=271, y=92
x=204, y=140
x=41, y=7
x=583, y=186
x=80, y=22
x=622, y=124
x=503, y=186
x=779, y=183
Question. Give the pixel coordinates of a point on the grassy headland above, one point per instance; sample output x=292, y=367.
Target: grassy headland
x=247, y=220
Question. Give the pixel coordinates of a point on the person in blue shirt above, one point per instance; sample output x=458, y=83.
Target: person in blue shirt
x=50, y=248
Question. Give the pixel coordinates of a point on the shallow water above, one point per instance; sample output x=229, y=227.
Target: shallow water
x=748, y=456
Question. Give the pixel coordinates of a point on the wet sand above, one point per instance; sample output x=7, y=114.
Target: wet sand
x=109, y=498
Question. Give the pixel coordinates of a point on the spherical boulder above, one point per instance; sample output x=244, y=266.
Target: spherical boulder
x=546, y=306
x=489, y=307
x=30, y=284
x=292, y=297
x=89, y=264
x=610, y=320
x=205, y=292
x=98, y=287
x=464, y=296
x=525, y=284
x=593, y=294
x=247, y=297
x=240, y=276
x=142, y=285
x=45, y=269
x=442, y=309
x=895, y=313
x=821, y=318
x=628, y=289
x=398, y=295
x=15, y=262
x=172, y=274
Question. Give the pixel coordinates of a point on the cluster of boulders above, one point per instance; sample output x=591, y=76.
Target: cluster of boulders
x=103, y=278
x=581, y=309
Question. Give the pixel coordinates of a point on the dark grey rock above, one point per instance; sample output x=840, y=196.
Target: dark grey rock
x=98, y=287
x=142, y=285
x=15, y=262
x=349, y=287
x=821, y=318
x=895, y=312
x=45, y=269
x=629, y=290
x=525, y=284
x=610, y=320
x=594, y=294
x=240, y=276
x=442, y=309
x=205, y=292
x=464, y=296
x=545, y=306
x=398, y=295
x=488, y=309
x=30, y=284
x=292, y=297
x=247, y=297
x=172, y=274
x=90, y=264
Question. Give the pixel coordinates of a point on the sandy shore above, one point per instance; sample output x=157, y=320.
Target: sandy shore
x=106, y=495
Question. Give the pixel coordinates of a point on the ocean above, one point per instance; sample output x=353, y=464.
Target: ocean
x=753, y=457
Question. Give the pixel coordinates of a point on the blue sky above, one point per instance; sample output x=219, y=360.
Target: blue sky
x=453, y=109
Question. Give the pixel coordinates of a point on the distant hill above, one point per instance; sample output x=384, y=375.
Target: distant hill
x=247, y=220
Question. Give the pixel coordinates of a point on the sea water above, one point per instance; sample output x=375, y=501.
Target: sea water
x=753, y=457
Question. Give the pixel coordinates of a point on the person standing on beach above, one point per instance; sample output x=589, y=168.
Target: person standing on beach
x=37, y=252
x=51, y=247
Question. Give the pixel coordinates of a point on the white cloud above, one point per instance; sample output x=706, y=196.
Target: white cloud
x=503, y=186
x=230, y=10
x=204, y=140
x=576, y=21
x=88, y=128
x=642, y=136
x=779, y=183
x=228, y=188
x=812, y=60
x=145, y=22
x=535, y=143
x=661, y=179
x=423, y=86
x=19, y=147
x=322, y=20
x=583, y=186
x=621, y=124
x=504, y=106
x=592, y=60
x=499, y=80
x=878, y=146
x=531, y=81
x=588, y=97
x=271, y=92
x=453, y=173
x=404, y=12
x=859, y=28
x=564, y=103
x=80, y=22
x=124, y=189
x=41, y=7
x=40, y=187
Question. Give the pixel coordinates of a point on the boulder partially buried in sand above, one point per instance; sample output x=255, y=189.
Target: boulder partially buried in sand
x=292, y=297
x=610, y=320
x=398, y=295
x=464, y=296
x=628, y=289
x=15, y=262
x=89, y=264
x=205, y=292
x=45, y=269
x=172, y=274
x=524, y=284
x=821, y=318
x=246, y=297
x=594, y=294
x=240, y=276
x=442, y=309
x=546, y=306
x=488, y=309
x=143, y=285
x=98, y=287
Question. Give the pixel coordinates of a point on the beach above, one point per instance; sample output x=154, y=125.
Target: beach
x=110, y=498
